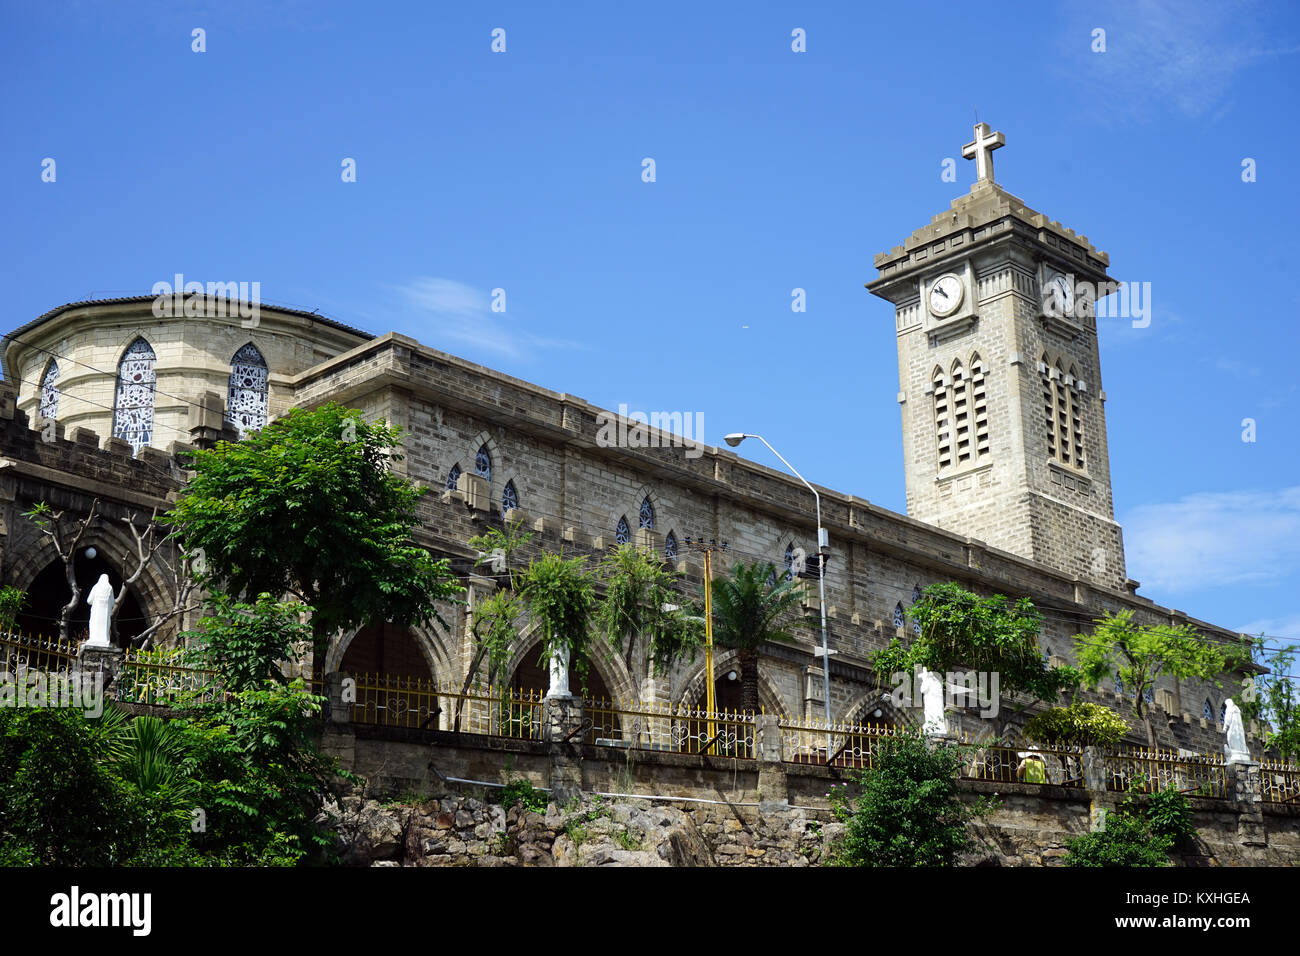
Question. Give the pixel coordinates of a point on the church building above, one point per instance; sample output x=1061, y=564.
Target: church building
x=1004, y=452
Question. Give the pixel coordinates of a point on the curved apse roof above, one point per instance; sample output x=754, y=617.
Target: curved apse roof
x=59, y=310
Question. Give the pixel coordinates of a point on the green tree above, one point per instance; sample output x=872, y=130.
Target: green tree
x=959, y=629
x=641, y=609
x=559, y=596
x=1078, y=725
x=1272, y=699
x=1140, y=654
x=244, y=643
x=308, y=506
x=908, y=812
x=495, y=618
x=12, y=601
x=750, y=608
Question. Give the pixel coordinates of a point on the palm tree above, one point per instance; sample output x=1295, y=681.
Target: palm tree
x=750, y=608
x=640, y=608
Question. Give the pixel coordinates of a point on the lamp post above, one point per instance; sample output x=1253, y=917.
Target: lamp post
x=734, y=439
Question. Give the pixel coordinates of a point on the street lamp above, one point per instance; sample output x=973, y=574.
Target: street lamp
x=734, y=439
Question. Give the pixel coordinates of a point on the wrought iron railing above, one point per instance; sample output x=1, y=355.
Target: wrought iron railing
x=804, y=740
x=1150, y=771
x=1279, y=782
x=47, y=654
x=1060, y=767
x=667, y=728
x=161, y=677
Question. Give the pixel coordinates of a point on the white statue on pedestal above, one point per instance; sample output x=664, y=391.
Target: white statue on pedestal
x=101, y=612
x=559, y=673
x=1234, y=749
x=931, y=686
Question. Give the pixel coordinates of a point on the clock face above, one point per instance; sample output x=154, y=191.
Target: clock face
x=1062, y=295
x=946, y=293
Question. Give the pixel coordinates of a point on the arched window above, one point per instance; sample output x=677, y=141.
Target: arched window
x=942, y=417
x=246, y=402
x=1207, y=712
x=898, y=615
x=483, y=464
x=916, y=593
x=670, y=546
x=789, y=561
x=133, y=406
x=979, y=406
x=622, y=534
x=647, y=513
x=509, y=497
x=1223, y=713
x=962, y=446
x=1149, y=695
x=50, y=392
x=1119, y=685
x=453, y=477
x=1063, y=414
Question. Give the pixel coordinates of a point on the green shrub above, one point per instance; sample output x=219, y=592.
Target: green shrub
x=1136, y=838
x=523, y=792
x=1077, y=725
x=908, y=812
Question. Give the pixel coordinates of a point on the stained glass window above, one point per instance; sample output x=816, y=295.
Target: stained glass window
x=50, y=392
x=898, y=614
x=916, y=593
x=670, y=547
x=453, y=477
x=246, y=402
x=789, y=561
x=622, y=534
x=1119, y=685
x=483, y=464
x=1207, y=712
x=1149, y=694
x=647, y=513
x=1223, y=712
x=133, y=408
x=509, y=497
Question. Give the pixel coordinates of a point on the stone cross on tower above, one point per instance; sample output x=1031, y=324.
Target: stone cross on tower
x=982, y=150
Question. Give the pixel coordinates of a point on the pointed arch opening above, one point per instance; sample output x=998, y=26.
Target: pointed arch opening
x=248, y=398
x=133, y=404
x=49, y=407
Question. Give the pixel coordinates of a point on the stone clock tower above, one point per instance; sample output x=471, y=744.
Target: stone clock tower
x=1004, y=426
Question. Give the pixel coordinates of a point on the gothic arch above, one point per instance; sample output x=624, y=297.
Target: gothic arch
x=614, y=673
x=484, y=439
x=692, y=689
x=135, y=392
x=248, y=395
x=860, y=709
x=427, y=637
x=149, y=591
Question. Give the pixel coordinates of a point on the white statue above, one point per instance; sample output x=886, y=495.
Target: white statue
x=101, y=612
x=559, y=673
x=1235, y=749
x=936, y=724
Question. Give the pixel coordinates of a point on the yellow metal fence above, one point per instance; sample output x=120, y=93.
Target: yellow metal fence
x=1150, y=771
x=47, y=654
x=1279, y=783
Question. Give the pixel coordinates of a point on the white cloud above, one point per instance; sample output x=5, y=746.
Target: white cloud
x=1213, y=539
x=462, y=313
x=1175, y=51
x=1288, y=627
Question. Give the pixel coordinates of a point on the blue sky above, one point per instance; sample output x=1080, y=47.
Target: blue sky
x=774, y=170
